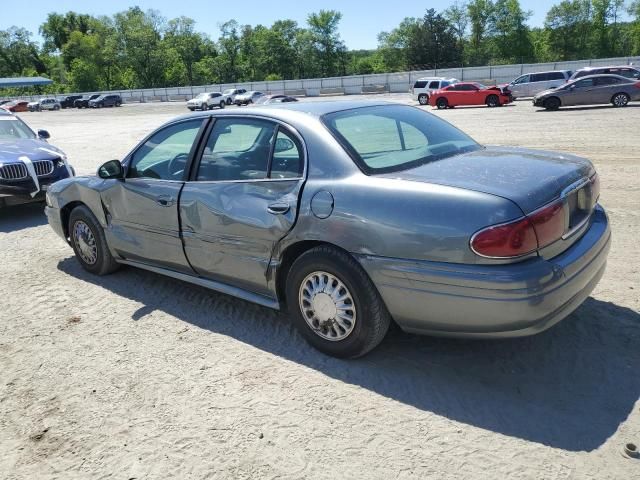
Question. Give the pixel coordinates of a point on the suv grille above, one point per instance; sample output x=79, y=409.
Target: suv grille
x=14, y=171
x=43, y=167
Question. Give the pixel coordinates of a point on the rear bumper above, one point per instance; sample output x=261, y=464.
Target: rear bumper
x=492, y=301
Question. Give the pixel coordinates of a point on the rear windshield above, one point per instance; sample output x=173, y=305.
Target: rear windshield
x=390, y=138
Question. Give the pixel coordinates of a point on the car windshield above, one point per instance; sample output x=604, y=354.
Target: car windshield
x=390, y=138
x=12, y=127
x=228, y=91
x=202, y=96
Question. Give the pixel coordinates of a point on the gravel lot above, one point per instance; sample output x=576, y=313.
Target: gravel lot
x=138, y=376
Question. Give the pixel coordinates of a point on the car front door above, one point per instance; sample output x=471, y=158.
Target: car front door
x=142, y=208
x=580, y=93
x=242, y=198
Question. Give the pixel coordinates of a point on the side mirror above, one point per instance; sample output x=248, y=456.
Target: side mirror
x=111, y=169
x=283, y=144
x=43, y=134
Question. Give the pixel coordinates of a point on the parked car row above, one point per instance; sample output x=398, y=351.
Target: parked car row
x=551, y=90
x=239, y=97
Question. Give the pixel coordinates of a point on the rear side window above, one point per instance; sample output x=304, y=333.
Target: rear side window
x=556, y=76
x=434, y=84
x=420, y=84
x=539, y=77
x=391, y=138
x=237, y=149
x=628, y=72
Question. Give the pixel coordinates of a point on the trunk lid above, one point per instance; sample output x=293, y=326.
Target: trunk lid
x=530, y=178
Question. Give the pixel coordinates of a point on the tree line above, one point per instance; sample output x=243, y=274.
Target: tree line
x=142, y=49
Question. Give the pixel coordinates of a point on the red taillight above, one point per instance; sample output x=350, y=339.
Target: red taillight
x=522, y=236
x=637, y=84
x=549, y=223
x=507, y=240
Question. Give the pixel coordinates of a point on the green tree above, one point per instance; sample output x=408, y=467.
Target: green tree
x=324, y=29
x=511, y=33
x=567, y=28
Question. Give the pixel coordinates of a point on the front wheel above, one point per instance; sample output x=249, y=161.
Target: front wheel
x=89, y=243
x=492, y=101
x=552, y=103
x=442, y=103
x=222, y=105
x=118, y=104
x=620, y=100
x=334, y=304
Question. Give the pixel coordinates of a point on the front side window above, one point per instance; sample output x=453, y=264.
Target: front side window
x=523, y=79
x=164, y=155
x=587, y=82
x=384, y=139
x=237, y=149
x=434, y=84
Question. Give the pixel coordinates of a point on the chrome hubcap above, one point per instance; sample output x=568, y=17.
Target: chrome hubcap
x=327, y=306
x=85, y=241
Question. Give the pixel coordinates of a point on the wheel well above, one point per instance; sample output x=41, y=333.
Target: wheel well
x=65, y=212
x=288, y=257
x=557, y=98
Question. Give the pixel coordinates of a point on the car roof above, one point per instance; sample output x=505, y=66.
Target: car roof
x=601, y=75
x=606, y=66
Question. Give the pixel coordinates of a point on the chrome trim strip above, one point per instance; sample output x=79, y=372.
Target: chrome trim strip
x=575, y=186
x=574, y=230
x=210, y=284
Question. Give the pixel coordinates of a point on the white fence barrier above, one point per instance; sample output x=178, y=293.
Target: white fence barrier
x=384, y=82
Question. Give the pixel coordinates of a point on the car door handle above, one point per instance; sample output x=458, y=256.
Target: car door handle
x=165, y=200
x=278, y=208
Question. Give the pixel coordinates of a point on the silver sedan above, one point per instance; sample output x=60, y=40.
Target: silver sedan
x=350, y=215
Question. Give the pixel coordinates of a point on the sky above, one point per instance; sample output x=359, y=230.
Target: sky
x=361, y=21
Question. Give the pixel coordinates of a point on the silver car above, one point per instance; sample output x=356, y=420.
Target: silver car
x=350, y=215
x=592, y=90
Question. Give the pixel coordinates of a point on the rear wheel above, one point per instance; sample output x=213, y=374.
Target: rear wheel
x=620, y=99
x=228, y=101
x=118, y=104
x=551, y=103
x=442, y=103
x=423, y=99
x=89, y=243
x=222, y=104
x=492, y=101
x=191, y=108
x=334, y=304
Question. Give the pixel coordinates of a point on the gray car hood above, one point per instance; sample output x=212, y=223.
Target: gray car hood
x=530, y=178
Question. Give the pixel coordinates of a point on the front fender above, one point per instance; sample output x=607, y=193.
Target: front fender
x=85, y=190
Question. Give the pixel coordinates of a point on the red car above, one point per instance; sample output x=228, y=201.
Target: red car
x=469, y=93
x=15, y=106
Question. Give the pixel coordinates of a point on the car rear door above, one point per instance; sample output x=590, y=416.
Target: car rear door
x=142, y=209
x=241, y=199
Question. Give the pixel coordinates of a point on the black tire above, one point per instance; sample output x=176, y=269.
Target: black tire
x=56, y=107
x=492, y=101
x=620, y=99
x=192, y=109
x=222, y=105
x=551, y=103
x=228, y=101
x=118, y=104
x=104, y=263
x=372, y=319
x=423, y=99
x=442, y=103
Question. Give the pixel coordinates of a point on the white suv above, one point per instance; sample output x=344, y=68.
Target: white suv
x=426, y=85
x=206, y=101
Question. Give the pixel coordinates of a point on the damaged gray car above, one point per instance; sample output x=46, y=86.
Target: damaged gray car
x=350, y=215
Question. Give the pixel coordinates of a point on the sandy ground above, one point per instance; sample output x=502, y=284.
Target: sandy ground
x=138, y=376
